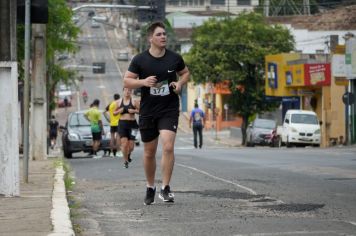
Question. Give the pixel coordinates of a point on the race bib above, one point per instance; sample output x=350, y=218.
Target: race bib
x=161, y=89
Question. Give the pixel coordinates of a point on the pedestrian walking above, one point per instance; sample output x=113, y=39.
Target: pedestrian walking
x=157, y=69
x=94, y=117
x=66, y=102
x=114, y=117
x=127, y=124
x=85, y=96
x=197, y=119
x=53, y=131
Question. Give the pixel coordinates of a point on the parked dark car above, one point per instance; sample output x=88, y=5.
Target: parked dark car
x=77, y=135
x=260, y=131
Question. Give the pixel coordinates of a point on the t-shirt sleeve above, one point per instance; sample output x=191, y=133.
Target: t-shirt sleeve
x=134, y=65
x=181, y=64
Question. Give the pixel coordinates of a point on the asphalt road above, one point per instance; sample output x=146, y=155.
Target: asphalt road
x=218, y=190
x=222, y=191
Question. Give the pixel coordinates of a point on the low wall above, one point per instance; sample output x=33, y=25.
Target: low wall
x=235, y=132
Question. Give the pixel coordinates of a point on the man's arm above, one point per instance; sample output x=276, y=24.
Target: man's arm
x=184, y=76
x=190, y=119
x=131, y=81
x=101, y=126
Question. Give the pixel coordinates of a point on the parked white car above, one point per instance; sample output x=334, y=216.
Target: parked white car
x=300, y=127
x=100, y=18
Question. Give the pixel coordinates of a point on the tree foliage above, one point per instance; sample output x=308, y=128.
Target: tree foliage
x=233, y=50
x=61, y=34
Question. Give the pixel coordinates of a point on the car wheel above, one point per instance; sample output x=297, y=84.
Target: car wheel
x=279, y=142
x=248, y=143
x=67, y=153
x=252, y=144
x=288, y=144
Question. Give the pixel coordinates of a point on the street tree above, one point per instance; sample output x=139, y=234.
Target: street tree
x=233, y=50
x=61, y=35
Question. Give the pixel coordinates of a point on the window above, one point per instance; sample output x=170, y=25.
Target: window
x=244, y=2
x=217, y=2
x=304, y=119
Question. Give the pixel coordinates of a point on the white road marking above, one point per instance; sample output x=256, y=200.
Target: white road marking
x=218, y=178
x=291, y=233
x=351, y=222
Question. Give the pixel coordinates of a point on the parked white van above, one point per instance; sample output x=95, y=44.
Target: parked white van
x=300, y=127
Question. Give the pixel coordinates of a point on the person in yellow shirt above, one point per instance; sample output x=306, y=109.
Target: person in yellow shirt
x=96, y=124
x=114, y=118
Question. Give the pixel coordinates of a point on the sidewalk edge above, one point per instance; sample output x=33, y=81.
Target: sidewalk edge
x=60, y=213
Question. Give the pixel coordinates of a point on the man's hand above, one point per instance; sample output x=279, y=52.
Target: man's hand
x=176, y=87
x=150, y=81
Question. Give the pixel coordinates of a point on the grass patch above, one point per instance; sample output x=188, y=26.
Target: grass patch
x=69, y=183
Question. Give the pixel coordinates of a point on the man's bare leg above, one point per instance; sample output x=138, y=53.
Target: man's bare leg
x=149, y=161
x=167, y=161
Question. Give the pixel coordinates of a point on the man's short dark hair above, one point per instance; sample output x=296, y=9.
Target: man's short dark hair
x=116, y=96
x=153, y=26
x=96, y=102
x=196, y=105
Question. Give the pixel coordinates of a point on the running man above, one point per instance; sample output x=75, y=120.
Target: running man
x=155, y=72
x=114, y=118
x=127, y=124
x=97, y=130
x=53, y=131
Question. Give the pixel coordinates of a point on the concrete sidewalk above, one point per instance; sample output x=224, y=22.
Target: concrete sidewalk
x=222, y=137
x=41, y=207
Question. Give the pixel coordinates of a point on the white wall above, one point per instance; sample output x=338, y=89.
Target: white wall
x=310, y=41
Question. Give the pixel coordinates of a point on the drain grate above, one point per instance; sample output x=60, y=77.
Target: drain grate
x=294, y=207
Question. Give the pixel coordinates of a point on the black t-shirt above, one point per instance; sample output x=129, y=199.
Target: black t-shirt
x=157, y=101
x=53, y=125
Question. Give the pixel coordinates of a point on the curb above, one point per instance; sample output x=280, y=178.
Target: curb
x=60, y=213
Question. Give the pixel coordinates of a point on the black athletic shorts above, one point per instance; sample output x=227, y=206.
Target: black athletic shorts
x=150, y=128
x=126, y=128
x=96, y=136
x=53, y=134
x=114, y=129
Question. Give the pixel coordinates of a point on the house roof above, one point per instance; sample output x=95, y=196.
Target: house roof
x=183, y=33
x=342, y=18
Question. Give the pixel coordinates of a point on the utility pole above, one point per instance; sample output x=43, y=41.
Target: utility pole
x=266, y=8
x=38, y=99
x=306, y=7
x=9, y=105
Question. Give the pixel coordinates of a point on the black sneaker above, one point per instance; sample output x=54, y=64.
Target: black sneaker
x=150, y=196
x=126, y=165
x=166, y=194
x=129, y=158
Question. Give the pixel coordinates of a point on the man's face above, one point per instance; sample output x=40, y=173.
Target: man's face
x=159, y=38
